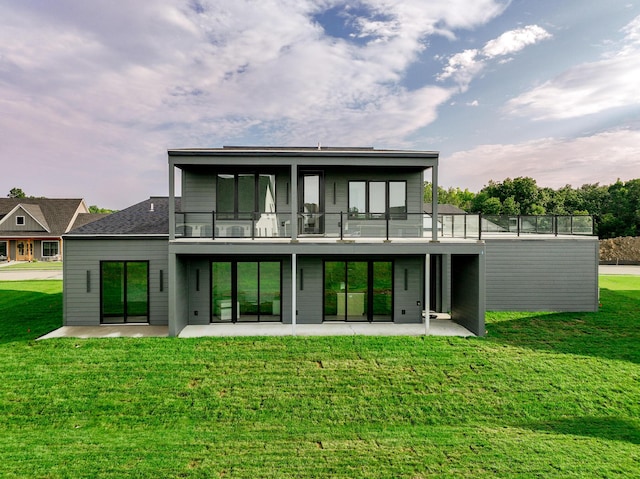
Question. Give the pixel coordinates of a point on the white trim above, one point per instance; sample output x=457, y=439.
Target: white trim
x=18, y=223
x=42, y=242
x=20, y=206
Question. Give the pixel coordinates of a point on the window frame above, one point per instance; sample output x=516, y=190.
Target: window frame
x=368, y=214
x=6, y=249
x=241, y=214
x=20, y=220
x=103, y=317
x=56, y=242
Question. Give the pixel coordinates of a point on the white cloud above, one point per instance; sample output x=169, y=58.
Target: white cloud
x=463, y=67
x=590, y=87
x=112, y=84
x=515, y=40
x=554, y=162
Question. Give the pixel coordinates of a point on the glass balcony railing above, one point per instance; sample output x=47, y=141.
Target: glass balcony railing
x=347, y=226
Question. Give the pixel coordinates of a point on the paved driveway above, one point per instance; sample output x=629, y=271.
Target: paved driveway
x=21, y=275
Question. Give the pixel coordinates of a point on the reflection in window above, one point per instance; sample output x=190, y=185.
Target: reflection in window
x=238, y=196
x=50, y=248
x=124, y=291
x=372, y=199
x=357, y=198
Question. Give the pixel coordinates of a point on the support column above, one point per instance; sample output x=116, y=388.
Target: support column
x=294, y=202
x=434, y=203
x=427, y=291
x=294, y=292
x=172, y=202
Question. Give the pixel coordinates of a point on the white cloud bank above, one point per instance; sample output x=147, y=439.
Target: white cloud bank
x=590, y=87
x=96, y=91
x=552, y=162
x=464, y=66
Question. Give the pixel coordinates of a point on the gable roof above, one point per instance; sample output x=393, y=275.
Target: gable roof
x=139, y=219
x=56, y=215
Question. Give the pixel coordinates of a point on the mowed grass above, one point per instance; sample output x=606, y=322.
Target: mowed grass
x=36, y=265
x=543, y=395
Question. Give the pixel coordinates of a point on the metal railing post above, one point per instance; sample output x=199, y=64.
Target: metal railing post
x=386, y=218
x=518, y=227
x=341, y=226
x=213, y=225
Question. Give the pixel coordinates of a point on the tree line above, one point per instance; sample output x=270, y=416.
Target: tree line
x=615, y=208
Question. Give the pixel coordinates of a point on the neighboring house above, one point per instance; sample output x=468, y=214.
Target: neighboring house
x=289, y=235
x=32, y=228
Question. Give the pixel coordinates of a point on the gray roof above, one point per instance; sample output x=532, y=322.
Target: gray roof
x=55, y=214
x=139, y=219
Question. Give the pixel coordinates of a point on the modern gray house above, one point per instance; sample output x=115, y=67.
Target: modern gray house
x=313, y=236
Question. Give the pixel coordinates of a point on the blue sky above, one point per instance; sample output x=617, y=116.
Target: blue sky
x=92, y=94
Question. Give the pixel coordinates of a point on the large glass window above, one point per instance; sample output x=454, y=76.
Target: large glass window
x=245, y=291
x=373, y=199
x=3, y=249
x=50, y=248
x=358, y=290
x=124, y=291
x=239, y=196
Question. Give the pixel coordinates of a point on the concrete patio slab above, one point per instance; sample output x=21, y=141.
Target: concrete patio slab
x=109, y=331
x=438, y=327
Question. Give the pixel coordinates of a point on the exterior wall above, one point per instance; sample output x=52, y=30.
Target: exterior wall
x=82, y=262
x=555, y=274
x=198, y=191
x=310, y=300
x=467, y=292
x=405, y=302
x=9, y=223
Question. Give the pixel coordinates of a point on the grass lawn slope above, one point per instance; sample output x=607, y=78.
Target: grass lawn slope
x=543, y=395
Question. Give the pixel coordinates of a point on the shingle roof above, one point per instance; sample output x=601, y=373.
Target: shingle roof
x=54, y=213
x=139, y=219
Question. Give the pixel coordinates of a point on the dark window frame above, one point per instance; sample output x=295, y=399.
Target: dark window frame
x=125, y=302
x=368, y=214
x=234, y=284
x=245, y=215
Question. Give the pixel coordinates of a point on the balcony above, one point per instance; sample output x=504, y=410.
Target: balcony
x=383, y=226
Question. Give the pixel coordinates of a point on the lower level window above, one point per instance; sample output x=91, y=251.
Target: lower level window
x=50, y=248
x=245, y=291
x=3, y=249
x=358, y=290
x=124, y=292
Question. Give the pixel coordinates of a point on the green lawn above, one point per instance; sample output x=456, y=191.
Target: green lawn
x=37, y=265
x=543, y=395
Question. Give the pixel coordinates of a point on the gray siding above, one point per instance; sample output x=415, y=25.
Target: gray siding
x=199, y=291
x=82, y=258
x=29, y=225
x=310, y=301
x=467, y=292
x=407, y=299
x=198, y=191
x=555, y=274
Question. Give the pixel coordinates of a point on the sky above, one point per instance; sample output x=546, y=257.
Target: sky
x=94, y=93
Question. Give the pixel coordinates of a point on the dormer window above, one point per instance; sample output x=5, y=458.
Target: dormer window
x=19, y=220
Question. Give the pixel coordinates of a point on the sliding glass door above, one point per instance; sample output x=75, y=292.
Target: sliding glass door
x=245, y=291
x=358, y=290
x=124, y=292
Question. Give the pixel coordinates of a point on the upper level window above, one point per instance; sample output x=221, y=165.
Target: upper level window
x=240, y=195
x=374, y=199
x=20, y=220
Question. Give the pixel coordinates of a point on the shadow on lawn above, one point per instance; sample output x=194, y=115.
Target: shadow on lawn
x=608, y=428
x=611, y=333
x=27, y=315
